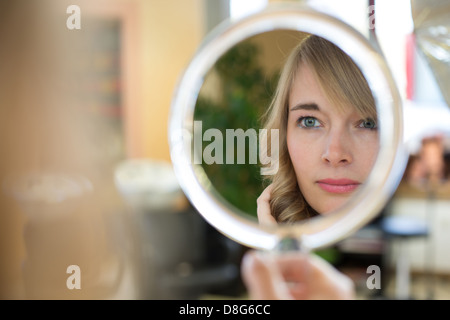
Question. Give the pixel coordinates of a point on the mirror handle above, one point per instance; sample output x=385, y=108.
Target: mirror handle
x=289, y=243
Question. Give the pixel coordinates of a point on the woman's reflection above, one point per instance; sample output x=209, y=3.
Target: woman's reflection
x=428, y=169
x=327, y=122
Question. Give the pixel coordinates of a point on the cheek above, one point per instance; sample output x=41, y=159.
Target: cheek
x=368, y=152
x=301, y=153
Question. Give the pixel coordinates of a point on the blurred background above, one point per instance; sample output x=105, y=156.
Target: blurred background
x=85, y=169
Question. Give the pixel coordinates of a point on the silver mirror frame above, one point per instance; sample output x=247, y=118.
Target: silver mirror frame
x=388, y=168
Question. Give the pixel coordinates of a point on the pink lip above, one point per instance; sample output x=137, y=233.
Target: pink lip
x=338, y=185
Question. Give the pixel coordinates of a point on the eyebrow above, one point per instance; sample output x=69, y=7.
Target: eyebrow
x=305, y=106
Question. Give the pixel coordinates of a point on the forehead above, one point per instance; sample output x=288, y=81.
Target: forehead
x=304, y=84
x=304, y=74
x=307, y=89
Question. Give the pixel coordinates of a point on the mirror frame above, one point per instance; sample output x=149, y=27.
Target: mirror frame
x=364, y=205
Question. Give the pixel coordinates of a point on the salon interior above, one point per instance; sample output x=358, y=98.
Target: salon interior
x=92, y=205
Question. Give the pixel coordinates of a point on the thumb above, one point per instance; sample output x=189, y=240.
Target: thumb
x=262, y=278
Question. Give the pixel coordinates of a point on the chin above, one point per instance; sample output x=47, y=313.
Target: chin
x=330, y=207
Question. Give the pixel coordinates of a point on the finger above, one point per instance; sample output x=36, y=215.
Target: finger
x=293, y=265
x=336, y=285
x=294, y=269
x=298, y=291
x=262, y=278
x=263, y=207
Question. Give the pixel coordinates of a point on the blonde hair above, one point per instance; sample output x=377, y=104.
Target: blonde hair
x=343, y=82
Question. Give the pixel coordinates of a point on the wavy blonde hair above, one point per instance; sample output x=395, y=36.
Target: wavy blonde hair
x=343, y=82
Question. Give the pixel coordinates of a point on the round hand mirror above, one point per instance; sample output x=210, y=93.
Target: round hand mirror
x=342, y=149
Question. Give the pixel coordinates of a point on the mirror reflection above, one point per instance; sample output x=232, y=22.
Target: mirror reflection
x=428, y=169
x=286, y=127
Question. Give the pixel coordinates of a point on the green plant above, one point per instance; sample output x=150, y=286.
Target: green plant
x=237, y=101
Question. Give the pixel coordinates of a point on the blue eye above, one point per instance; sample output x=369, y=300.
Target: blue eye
x=368, y=124
x=308, y=122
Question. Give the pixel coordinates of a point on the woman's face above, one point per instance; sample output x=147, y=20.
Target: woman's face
x=332, y=150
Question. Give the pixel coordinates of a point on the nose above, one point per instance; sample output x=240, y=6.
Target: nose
x=337, y=151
